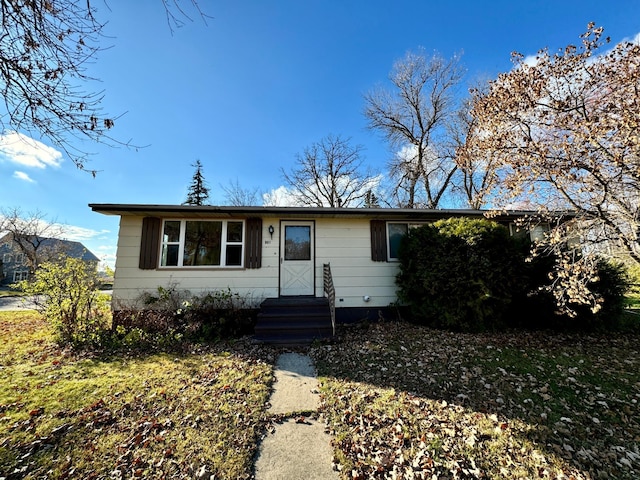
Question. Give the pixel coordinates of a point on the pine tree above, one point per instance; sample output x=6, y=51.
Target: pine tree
x=371, y=200
x=198, y=192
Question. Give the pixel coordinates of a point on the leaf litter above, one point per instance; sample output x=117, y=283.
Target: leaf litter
x=404, y=401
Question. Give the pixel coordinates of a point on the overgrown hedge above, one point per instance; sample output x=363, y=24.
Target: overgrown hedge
x=470, y=275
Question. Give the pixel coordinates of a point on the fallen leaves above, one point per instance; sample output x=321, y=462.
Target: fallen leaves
x=408, y=402
x=172, y=416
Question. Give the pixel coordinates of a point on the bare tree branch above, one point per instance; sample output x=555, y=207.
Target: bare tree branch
x=46, y=49
x=413, y=118
x=564, y=131
x=330, y=173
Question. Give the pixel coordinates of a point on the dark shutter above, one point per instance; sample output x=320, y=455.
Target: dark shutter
x=253, y=243
x=150, y=243
x=378, y=240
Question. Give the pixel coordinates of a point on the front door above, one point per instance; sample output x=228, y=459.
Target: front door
x=297, y=259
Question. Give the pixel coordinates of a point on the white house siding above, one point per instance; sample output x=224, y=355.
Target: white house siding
x=130, y=281
x=344, y=243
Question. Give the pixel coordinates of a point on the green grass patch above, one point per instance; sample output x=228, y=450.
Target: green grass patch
x=632, y=301
x=167, y=415
x=410, y=401
x=10, y=293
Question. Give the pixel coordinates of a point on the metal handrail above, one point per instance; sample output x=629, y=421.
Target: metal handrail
x=330, y=291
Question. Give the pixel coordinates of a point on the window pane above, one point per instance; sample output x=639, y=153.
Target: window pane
x=234, y=255
x=396, y=232
x=202, y=243
x=297, y=242
x=234, y=232
x=170, y=255
x=538, y=233
x=171, y=232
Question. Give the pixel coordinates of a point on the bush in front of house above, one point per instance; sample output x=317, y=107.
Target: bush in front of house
x=537, y=309
x=470, y=275
x=66, y=293
x=171, y=310
x=459, y=274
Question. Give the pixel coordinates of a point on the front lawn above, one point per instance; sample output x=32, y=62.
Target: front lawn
x=163, y=415
x=408, y=402
x=401, y=401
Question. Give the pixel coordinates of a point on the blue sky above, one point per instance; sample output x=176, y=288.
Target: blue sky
x=259, y=82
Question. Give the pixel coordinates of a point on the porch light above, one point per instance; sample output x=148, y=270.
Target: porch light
x=271, y=230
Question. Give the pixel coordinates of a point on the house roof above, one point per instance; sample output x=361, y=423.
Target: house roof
x=71, y=248
x=211, y=211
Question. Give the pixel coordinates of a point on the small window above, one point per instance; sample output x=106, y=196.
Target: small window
x=20, y=258
x=7, y=258
x=297, y=242
x=192, y=243
x=20, y=275
x=535, y=233
x=395, y=232
x=538, y=232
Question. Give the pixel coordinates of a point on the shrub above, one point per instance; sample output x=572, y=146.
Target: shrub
x=66, y=293
x=467, y=274
x=535, y=307
x=458, y=273
x=611, y=286
x=209, y=316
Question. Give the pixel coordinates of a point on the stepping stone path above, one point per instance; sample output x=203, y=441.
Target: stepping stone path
x=299, y=448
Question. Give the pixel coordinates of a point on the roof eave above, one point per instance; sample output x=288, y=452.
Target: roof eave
x=212, y=211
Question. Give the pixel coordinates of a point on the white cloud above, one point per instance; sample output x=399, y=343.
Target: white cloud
x=23, y=176
x=280, y=197
x=18, y=148
x=108, y=259
x=80, y=234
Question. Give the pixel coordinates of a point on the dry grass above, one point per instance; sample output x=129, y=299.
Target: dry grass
x=401, y=401
x=165, y=415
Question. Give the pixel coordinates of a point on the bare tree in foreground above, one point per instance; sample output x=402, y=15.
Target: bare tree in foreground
x=413, y=117
x=564, y=129
x=330, y=173
x=46, y=48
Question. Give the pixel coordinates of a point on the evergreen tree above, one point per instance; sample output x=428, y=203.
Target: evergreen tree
x=371, y=200
x=198, y=192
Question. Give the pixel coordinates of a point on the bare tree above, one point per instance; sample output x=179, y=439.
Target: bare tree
x=330, y=173
x=477, y=176
x=239, y=196
x=564, y=129
x=30, y=234
x=46, y=47
x=413, y=117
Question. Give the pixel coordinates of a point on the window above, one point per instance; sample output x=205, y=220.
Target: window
x=20, y=258
x=20, y=275
x=395, y=232
x=535, y=233
x=6, y=258
x=193, y=243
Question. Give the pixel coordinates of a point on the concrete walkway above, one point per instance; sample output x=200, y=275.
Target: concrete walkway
x=299, y=448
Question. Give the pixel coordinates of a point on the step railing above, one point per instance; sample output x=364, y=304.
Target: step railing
x=330, y=292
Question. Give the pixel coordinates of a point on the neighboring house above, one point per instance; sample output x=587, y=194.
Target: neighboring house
x=15, y=265
x=267, y=252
